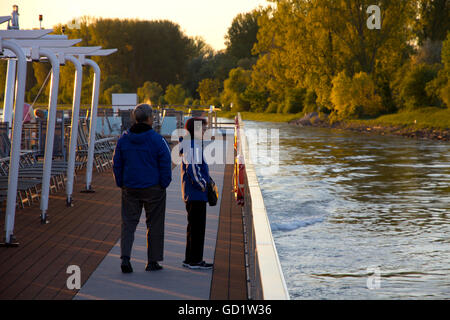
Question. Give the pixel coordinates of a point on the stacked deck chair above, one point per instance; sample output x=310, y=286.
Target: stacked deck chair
x=103, y=147
x=27, y=187
x=30, y=168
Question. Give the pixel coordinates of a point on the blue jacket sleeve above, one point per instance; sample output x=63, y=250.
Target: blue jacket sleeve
x=165, y=164
x=193, y=169
x=118, y=165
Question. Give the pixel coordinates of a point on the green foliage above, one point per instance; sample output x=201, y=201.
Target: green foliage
x=261, y=116
x=446, y=53
x=307, y=43
x=188, y=101
x=154, y=51
x=272, y=107
x=410, y=86
x=440, y=87
x=290, y=57
x=208, y=89
x=212, y=66
x=241, y=35
x=214, y=101
x=246, y=63
x=175, y=94
x=310, y=102
x=150, y=92
x=162, y=101
x=355, y=97
x=234, y=87
x=444, y=94
x=40, y=71
x=107, y=94
x=429, y=52
x=257, y=99
x=435, y=19
x=199, y=48
x=428, y=117
x=294, y=100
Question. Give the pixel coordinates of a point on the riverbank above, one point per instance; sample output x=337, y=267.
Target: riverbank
x=426, y=123
x=261, y=116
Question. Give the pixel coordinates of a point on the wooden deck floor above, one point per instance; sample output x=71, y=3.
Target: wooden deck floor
x=229, y=278
x=84, y=234
x=81, y=235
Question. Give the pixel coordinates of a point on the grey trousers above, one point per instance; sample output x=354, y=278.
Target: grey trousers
x=153, y=200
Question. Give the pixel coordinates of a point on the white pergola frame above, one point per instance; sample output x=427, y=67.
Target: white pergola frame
x=34, y=45
x=93, y=113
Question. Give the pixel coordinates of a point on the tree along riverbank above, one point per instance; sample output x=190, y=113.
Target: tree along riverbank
x=426, y=123
x=419, y=124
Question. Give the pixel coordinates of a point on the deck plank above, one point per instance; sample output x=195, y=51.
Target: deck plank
x=229, y=277
x=174, y=281
x=87, y=235
x=81, y=235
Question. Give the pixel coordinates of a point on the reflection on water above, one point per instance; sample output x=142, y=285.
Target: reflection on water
x=342, y=202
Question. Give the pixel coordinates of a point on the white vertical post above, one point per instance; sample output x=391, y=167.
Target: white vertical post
x=9, y=91
x=16, y=141
x=74, y=129
x=94, y=105
x=50, y=135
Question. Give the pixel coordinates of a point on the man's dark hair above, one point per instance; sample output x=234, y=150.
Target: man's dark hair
x=190, y=124
x=142, y=113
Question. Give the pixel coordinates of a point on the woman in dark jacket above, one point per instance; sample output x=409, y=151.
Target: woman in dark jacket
x=194, y=179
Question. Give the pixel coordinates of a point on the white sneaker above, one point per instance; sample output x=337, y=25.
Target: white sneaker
x=199, y=265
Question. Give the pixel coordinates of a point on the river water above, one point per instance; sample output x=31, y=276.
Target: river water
x=358, y=216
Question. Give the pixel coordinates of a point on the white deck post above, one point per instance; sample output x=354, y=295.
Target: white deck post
x=9, y=91
x=92, y=129
x=16, y=142
x=74, y=129
x=49, y=138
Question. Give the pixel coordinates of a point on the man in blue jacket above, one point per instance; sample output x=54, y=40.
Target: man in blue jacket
x=143, y=169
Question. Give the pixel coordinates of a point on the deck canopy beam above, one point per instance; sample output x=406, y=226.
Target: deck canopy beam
x=16, y=141
x=93, y=112
x=11, y=73
x=36, y=45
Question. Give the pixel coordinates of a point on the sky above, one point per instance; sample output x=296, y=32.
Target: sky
x=209, y=19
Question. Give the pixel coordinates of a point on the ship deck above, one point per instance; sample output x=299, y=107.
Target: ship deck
x=88, y=235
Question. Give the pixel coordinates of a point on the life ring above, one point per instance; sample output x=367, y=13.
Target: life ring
x=239, y=172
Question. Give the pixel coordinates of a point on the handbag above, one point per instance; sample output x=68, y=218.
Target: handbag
x=213, y=193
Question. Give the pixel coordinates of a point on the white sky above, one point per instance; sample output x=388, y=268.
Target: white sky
x=209, y=19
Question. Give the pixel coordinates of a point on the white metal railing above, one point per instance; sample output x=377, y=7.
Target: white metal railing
x=265, y=276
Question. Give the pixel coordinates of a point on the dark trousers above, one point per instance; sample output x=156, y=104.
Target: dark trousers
x=195, y=235
x=153, y=200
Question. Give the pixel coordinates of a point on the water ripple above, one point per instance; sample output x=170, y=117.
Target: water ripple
x=341, y=202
